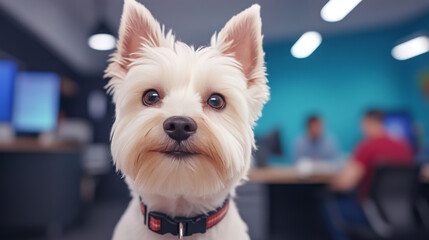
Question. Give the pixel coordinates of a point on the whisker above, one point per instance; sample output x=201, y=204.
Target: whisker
x=148, y=131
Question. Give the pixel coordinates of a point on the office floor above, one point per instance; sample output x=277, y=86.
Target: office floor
x=97, y=223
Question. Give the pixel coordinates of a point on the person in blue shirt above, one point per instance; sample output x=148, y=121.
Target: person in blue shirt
x=315, y=144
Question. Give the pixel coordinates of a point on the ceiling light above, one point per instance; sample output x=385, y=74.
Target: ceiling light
x=337, y=10
x=102, y=39
x=306, y=44
x=411, y=48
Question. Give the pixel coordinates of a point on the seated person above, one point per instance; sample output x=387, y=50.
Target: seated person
x=376, y=148
x=314, y=144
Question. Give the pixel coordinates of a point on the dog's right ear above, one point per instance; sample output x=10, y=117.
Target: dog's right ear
x=137, y=28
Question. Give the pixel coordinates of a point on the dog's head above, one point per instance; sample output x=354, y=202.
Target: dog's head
x=184, y=116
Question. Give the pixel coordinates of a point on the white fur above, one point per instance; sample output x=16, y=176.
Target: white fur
x=185, y=78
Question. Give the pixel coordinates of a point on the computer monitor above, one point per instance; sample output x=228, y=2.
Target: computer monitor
x=36, y=102
x=8, y=70
x=268, y=145
x=399, y=125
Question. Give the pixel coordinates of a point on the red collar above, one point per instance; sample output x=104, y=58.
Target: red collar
x=181, y=226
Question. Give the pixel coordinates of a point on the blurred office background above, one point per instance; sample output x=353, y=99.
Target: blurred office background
x=56, y=176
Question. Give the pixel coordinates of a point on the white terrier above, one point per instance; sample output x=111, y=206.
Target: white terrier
x=183, y=131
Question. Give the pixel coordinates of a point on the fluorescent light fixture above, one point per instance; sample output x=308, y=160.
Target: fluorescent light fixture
x=102, y=41
x=411, y=48
x=306, y=44
x=337, y=10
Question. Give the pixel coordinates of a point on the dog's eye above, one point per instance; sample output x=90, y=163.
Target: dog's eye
x=216, y=101
x=150, y=97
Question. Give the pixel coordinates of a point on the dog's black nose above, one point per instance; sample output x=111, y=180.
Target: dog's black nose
x=180, y=128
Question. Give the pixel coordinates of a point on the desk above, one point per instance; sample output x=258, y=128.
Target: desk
x=290, y=175
x=287, y=203
x=40, y=185
x=274, y=175
x=34, y=145
x=292, y=202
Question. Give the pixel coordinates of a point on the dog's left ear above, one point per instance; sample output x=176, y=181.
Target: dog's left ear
x=241, y=38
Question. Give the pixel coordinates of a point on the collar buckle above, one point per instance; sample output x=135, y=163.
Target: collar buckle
x=181, y=229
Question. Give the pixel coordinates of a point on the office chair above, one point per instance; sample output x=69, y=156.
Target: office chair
x=393, y=208
x=268, y=145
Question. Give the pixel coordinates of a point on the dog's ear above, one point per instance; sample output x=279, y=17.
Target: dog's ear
x=138, y=27
x=242, y=38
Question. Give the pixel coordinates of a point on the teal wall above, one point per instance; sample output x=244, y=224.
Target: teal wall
x=345, y=76
x=411, y=73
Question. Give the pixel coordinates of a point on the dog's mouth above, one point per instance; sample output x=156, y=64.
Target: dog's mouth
x=178, y=151
x=178, y=154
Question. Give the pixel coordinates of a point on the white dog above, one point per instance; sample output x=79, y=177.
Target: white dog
x=183, y=135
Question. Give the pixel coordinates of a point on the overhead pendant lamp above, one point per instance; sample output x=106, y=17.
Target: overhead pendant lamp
x=101, y=38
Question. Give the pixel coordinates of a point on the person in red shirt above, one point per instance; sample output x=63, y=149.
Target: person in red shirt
x=376, y=149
